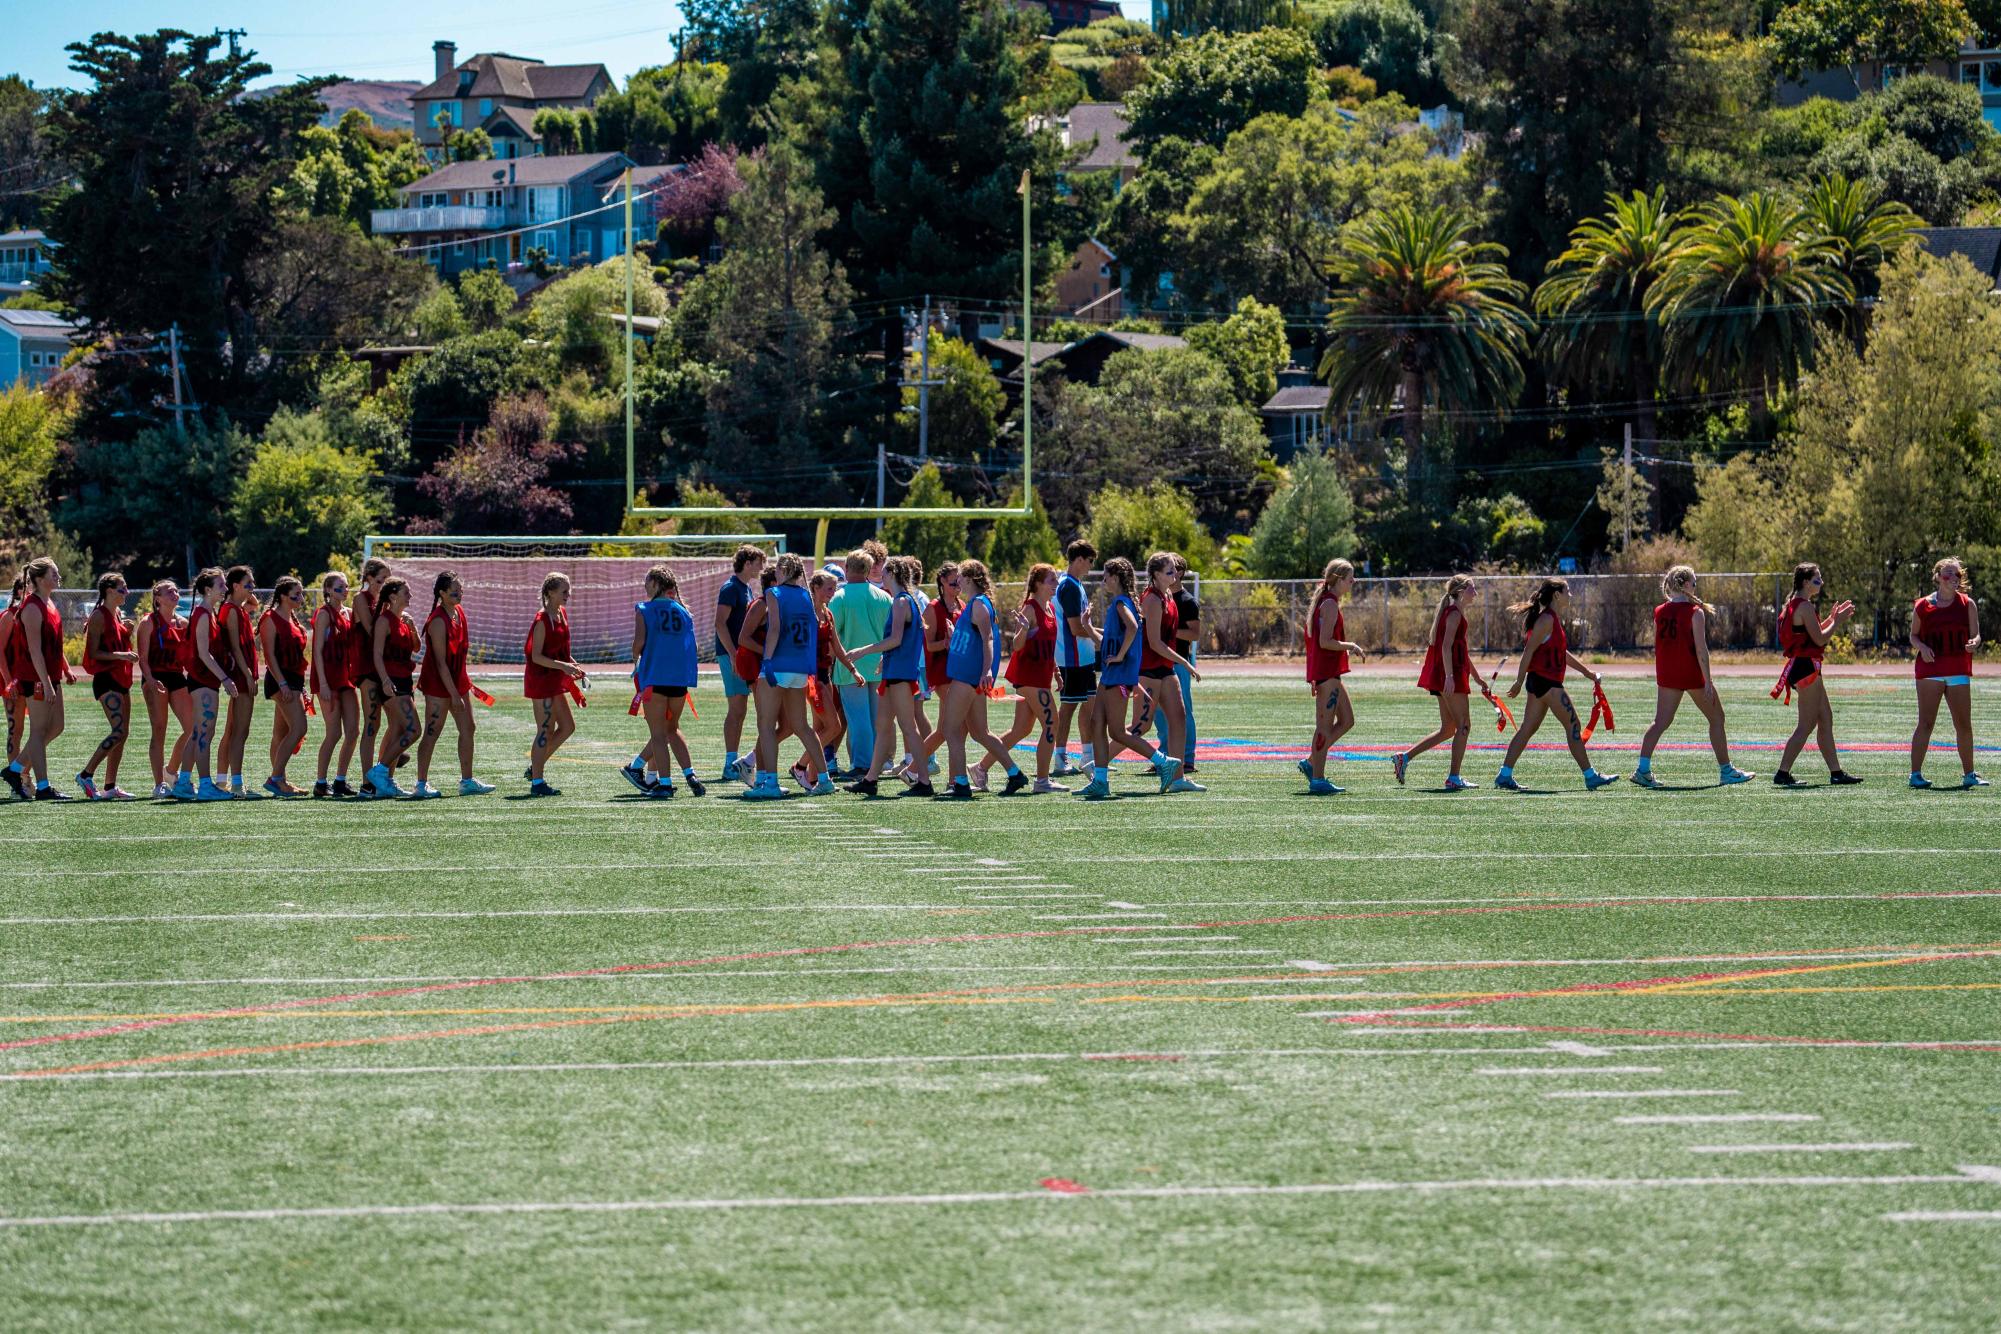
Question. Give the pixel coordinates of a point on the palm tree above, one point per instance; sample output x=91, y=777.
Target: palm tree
x=1425, y=312
x=1741, y=294
x=1598, y=334
x=1866, y=229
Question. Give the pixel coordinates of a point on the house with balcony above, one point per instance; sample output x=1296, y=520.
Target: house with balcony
x=25, y=259
x=499, y=93
x=33, y=344
x=1977, y=65
x=491, y=214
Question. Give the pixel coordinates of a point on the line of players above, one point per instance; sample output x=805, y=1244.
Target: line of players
x=776, y=649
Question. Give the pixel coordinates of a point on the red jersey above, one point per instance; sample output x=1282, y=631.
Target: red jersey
x=823, y=663
x=1550, y=659
x=1943, y=631
x=1324, y=664
x=336, y=655
x=539, y=682
x=1033, y=665
x=1170, y=619
x=218, y=647
x=13, y=648
x=749, y=658
x=1433, y=675
x=431, y=679
x=114, y=635
x=288, y=649
x=168, y=649
x=942, y=619
x=234, y=620
x=399, y=647
x=359, y=643
x=1676, y=666
x=52, y=643
x=1794, y=641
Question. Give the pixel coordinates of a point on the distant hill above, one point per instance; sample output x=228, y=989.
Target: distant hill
x=387, y=101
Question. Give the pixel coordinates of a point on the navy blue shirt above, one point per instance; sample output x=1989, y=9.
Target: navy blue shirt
x=736, y=595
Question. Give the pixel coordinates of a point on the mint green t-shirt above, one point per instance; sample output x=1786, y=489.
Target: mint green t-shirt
x=861, y=616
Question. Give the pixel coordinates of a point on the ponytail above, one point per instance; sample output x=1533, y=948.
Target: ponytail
x=1680, y=579
x=1454, y=586
x=975, y=573
x=1532, y=610
x=1803, y=572
x=1036, y=574
x=440, y=586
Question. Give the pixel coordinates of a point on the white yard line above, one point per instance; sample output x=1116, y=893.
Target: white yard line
x=1570, y=1071
x=1579, y=1049
x=1721, y=1118
x=1166, y=954
x=1101, y=917
x=1065, y=1200
x=1644, y=1093
x=1883, y=1146
x=1945, y=1216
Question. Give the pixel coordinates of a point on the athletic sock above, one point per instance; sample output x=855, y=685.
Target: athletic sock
x=1014, y=771
x=688, y=772
x=1100, y=774
x=185, y=775
x=16, y=767
x=1646, y=763
x=1916, y=773
x=729, y=761
x=340, y=778
x=1590, y=772
x=1507, y=771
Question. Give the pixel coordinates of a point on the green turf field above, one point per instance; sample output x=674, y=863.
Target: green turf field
x=1399, y=1059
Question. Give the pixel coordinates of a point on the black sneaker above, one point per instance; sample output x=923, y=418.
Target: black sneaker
x=1784, y=779
x=956, y=791
x=862, y=787
x=660, y=791
x=367, y=792
x=51, y=794
x=539, y=787
x=920, y=790
x=322, y=788
x=696, y=787
x=1842, y=778
x=13, y=777
x=339, y=788
x=1016, y=781
x=636, y=777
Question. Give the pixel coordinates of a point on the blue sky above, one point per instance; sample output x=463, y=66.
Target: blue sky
x=363, y=39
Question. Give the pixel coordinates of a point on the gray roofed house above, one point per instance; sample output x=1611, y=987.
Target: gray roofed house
x=33, y=344
x=491, y=213
x=25, y=257
x=499, y=93
x=1979, y=246
x=1295, y=416
x=1099, y=128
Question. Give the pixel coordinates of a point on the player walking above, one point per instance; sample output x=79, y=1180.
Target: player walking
x=1327, y=653
x=1545, y=657
x=1945, y=631
x=1681, y=667
x=1803, y=636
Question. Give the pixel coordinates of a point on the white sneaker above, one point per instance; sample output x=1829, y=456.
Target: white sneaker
x=472, y=787
x=425, y=792
x=978, y=777
x=1045, y=785
x=378, y=777
x=385, y=786
x=162, y=791
x=746, y=769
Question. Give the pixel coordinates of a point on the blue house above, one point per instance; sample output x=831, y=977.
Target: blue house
x=492, y=213
x=24, y=261
x=33, y=344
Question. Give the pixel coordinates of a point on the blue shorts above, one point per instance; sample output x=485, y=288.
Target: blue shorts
x=1947, y=680
x=734, y=686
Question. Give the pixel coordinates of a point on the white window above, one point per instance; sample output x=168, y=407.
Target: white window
x=545, y=202
x=547, y=241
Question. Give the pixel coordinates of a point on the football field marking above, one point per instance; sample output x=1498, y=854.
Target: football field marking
x=1945, y=1216
x=1579, y=1049
x=1571, y=1071
x=1047, y=1197
x=1644, y=1093
x=1883, y=1146
x=1720, y=1118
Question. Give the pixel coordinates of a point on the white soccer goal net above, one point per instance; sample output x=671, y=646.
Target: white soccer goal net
x=502, y=582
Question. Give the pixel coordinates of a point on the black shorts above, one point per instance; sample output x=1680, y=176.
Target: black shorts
x=171, y=681
x=1156, y=673
x=104, y=683
x=402, y=687
x=670, y=692
x=271, y=687
x=1078, y=683
x=1799, y=669
x=1540, y=685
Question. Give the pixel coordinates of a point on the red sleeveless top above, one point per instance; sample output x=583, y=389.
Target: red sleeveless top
x=1943, y=630
x=115, y=636
x=1550, y=659
x=167, y=651
x=336, y=655
x=218, y=648
x=431, y=677
x=234, y=622
x=1034, y=664
x=1794, y=641
x=288, y=649
x=1170, y=618
x=1324, y=664
x=1433, y=675
x=538, y=682
x=399, y=647
x=1676, y=666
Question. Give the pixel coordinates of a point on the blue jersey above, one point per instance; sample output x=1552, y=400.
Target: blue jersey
x=965, y=658
x=667, y=654
x=905, y=662
x=793, y=644
x=1124, y=672
x=1072, y=599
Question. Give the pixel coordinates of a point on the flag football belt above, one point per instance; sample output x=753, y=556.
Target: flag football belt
x=1504, y=717
x=1600, y=708
x=1785, y=683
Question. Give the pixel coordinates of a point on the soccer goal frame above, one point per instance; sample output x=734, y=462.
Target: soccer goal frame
x=826, y=513
x=385, y=544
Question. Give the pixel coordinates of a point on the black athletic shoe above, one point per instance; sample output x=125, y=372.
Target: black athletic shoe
x=660, y=792
x=322, y=788
x=367, y=792
x=340, y=788
x=862, y=787
x=1784, y=779
x=51, y=794
x=957, y=791
x=1016, y=781
x=13, y=777
x=1842, y=778
x=540, y=787
x=920, y=790
x=696, y=787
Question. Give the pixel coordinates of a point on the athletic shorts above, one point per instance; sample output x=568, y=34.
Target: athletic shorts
x=1079, y=683
x=1799, y=669
x=104, y=683
x=670, y=692
x=1540, y=685
x=734, y=686
x=1156, y=673
x=171, y=681
x=1947, y=680
x=789, y=680
x=401, y=687
x=271, y=687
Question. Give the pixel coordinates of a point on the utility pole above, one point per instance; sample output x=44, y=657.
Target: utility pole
x=631, y=489
x=1028, y=352
x=235, y=51
x=924, y=385
x=1627, y=507
x=881, y=482
x=181, y=408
